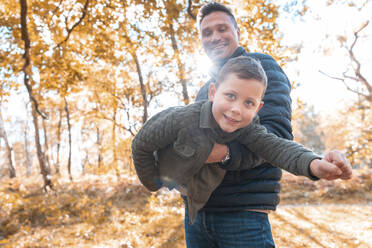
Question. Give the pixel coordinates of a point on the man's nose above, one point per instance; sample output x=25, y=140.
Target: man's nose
x=215, y=37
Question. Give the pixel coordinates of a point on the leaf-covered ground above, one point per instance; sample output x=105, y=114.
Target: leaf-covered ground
x=100, y=211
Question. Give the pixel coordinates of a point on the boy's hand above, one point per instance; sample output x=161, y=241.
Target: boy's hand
x=218, y=153
x=333, y=166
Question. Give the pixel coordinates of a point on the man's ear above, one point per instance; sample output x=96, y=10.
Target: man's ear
x=211, y=91
x=238, y=32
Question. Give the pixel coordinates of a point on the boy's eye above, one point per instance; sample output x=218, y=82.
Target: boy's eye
x=231, y=96
x=249, y=103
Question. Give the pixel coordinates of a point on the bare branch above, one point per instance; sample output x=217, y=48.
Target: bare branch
x=350, y=50
x=55, y=10
x=356, y=66
x=346, y=85
x=357, y=70
x=69, y=30
x=189, y=10
x=104, y=117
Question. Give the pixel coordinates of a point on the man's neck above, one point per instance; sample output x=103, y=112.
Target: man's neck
x=217, y=64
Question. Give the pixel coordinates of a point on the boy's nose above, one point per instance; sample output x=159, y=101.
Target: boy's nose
x=236, y=109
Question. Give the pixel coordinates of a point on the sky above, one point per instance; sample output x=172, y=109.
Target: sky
x=325, y=94
x=316, y=32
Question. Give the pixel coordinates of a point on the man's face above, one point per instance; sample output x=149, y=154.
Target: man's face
x=236, y=102
x=219, y=37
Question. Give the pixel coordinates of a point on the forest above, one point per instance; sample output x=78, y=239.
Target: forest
x=78, y=79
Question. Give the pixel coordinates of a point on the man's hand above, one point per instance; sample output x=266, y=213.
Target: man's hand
x=217, y=154
x=333, y=166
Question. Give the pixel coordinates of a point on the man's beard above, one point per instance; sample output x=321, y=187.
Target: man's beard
x=214, y=51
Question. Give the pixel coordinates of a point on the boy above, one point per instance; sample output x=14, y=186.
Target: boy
x=191, y=132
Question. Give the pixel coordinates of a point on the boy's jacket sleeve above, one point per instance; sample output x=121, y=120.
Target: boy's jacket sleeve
x=156, y=133
x=282, y=153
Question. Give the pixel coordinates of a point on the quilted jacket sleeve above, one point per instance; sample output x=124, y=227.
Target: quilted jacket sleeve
x=156, y=133
x=279, y=152
x=276, y=112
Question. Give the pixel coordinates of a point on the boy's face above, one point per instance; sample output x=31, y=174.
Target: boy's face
x=219, y=36
x=236, y=102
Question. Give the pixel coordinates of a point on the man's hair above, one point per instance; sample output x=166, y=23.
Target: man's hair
x=244, y=68
x=213, y=7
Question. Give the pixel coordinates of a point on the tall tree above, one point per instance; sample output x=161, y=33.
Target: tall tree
x=34, y=104
x=8, y=148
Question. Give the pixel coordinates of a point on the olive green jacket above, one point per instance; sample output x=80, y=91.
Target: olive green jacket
x=184, y=137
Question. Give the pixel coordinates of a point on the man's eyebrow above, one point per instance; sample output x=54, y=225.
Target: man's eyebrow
x=218, y=25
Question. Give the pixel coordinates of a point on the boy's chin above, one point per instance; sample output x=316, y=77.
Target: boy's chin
x=229, y=130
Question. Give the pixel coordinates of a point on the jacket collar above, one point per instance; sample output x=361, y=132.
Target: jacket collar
x=213, y=131
x=206, y=117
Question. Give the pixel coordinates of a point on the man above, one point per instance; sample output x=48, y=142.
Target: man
x=236, y=213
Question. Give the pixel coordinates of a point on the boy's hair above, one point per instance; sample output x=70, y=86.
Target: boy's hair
x=213, y=7
x=243, y=67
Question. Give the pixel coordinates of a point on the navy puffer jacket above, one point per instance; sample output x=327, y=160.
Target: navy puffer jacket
x=257, y=188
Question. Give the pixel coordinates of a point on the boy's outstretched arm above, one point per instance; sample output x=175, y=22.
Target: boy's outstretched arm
x=333, y=166
x=155, y=134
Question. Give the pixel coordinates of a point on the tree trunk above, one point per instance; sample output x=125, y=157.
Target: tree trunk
x=40, y=155
x=85, y=161
x=46, y=146
x=143, y=88
x=8, y=148
x=27, y=152
x=57, y=164
x=69, y=139
x=34, y=106
x=98, y=142
x=181, y=67
x=115, y=162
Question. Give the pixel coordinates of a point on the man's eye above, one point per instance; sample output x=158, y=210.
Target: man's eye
x=222, y=29
x=207, y=33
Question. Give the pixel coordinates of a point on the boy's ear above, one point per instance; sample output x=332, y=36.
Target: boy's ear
x=260, y=106
x=211, y=91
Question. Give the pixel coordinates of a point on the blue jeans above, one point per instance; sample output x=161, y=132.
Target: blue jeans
x=243, y=229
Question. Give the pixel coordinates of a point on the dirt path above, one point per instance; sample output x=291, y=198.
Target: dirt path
x=97, y=212
x=323, y=226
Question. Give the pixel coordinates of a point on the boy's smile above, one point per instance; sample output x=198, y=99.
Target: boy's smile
x=236, y=102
